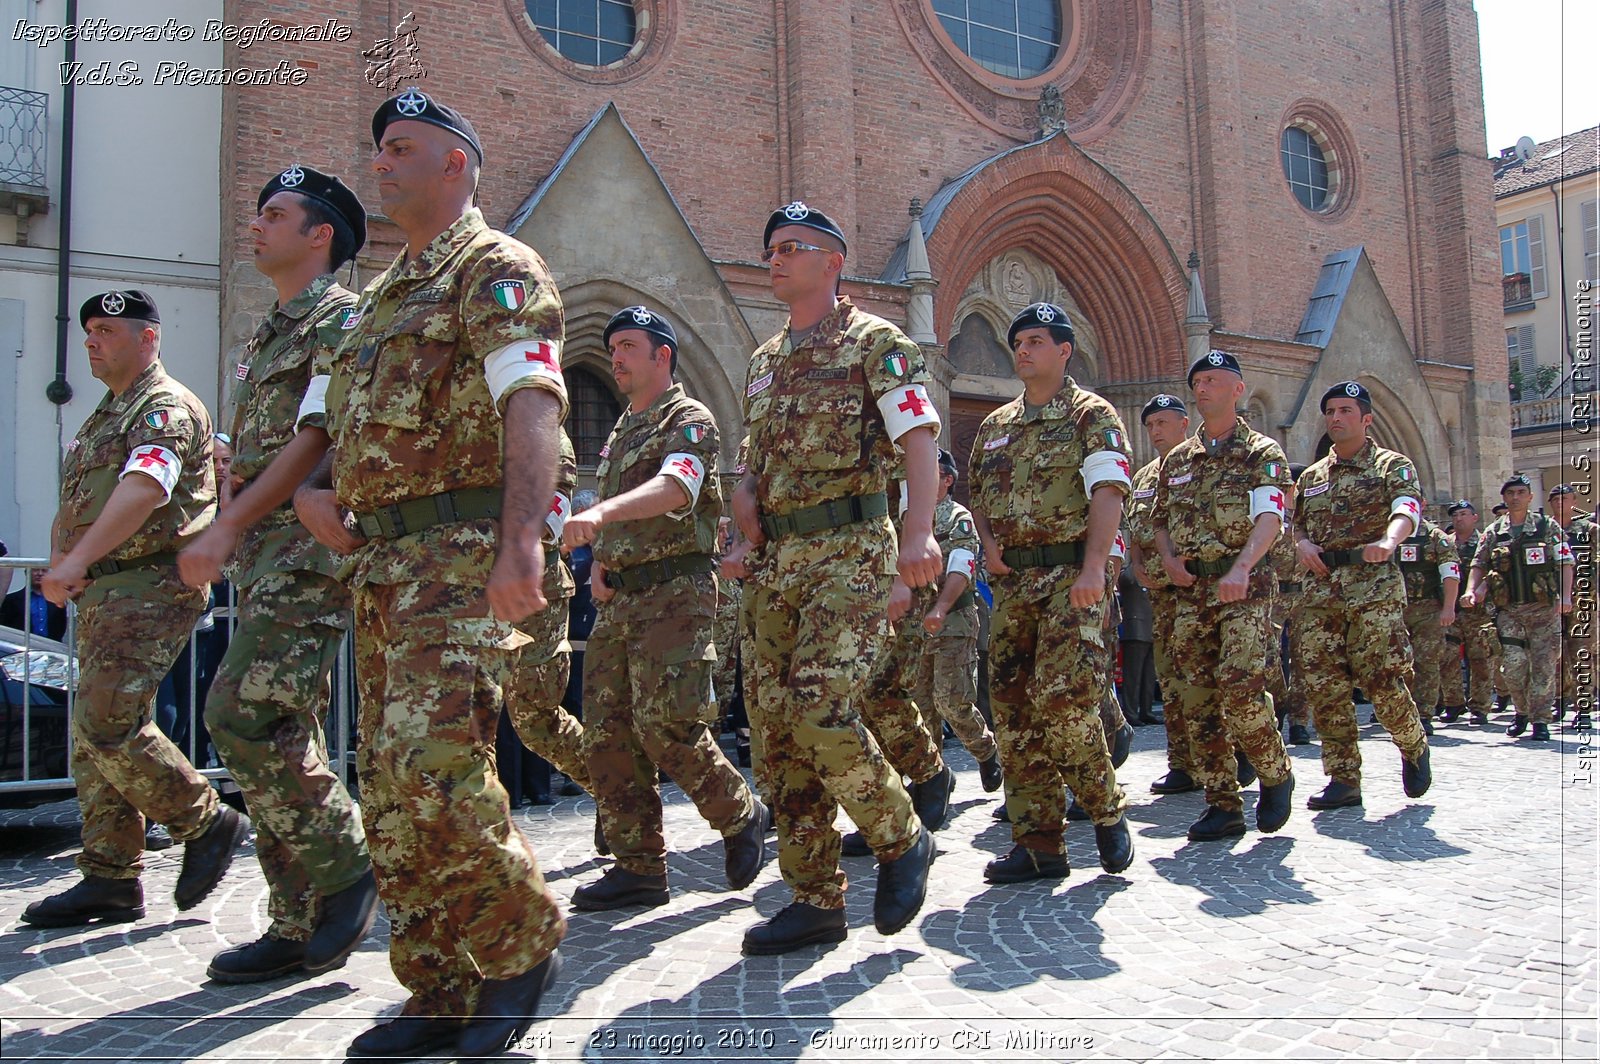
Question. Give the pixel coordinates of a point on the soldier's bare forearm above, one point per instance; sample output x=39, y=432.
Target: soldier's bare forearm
x=531, y=452
x=1262, y=537
x=125, y=512
x=922, y=477
x=1105, y=516
x=954, y=584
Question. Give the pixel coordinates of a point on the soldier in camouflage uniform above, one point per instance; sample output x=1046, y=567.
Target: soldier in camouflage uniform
x=1473, y=630
x=544, y=665
x=647, y=670
x=947, y=668
x=826, y=399
x=445, y=426
x=1525, y=566
x=1578, y=640
x=1284, y=681
x=1219, y=506
x=745, y=564
x=136, y=485
x=725, y=634
x=1049, y=474
x=1166, y=422
x=1432, y=577
x=265, y=707
x=1356, y=504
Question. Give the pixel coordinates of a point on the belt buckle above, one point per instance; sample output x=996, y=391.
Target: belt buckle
x=397, y=523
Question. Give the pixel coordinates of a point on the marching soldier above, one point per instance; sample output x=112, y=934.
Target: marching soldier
x=445, y=427
x=1050, y=471
x=1166, y=422
x=265, y=706
x=1432, y=576
x=1578, y=645
x=1473, y=632
x=136, y=486
x=1527, y=566
x=825, y=401
x=1356, y=504
x=1284, y=682
x=647, y=670
x=1219, y=506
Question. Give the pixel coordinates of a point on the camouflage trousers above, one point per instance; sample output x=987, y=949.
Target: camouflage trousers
x=752, y=708
x=1284, y=682
x=131, y=627
x=1223, y=651
x=538, y=683
x=947, y=682
x=1177, y=700
x=1530, y=649
x=1365, y=646
x=820, y=626
x=265, y=711
x=1427, y=651
x=1474, y=629
x=725, y=634
x=647, y=704
x=903, y=729
x=1048, y=673
x=1578, y=656
x=465, y=896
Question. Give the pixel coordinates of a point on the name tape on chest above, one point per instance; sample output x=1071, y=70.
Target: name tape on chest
x=996, y=443
x=1173, y=482
x=759, y=385
x=1313, y=492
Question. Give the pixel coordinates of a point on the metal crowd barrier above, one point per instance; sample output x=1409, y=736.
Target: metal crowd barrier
x=39, y=677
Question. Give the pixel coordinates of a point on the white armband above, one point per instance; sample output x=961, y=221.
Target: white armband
x=688, y=470
x=1106, y=467
x=1407, y=507
x=1266, y=500
x=157, y=463
x=905, y=408
x=962, y=561
x=520, y=361
x=905, y=499
x=560, y=510
x=1449, y=570
x=315, y=402
x=1564, y=555
x=1119, y=547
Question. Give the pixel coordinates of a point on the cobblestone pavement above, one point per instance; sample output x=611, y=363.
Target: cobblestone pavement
x=1462, y=925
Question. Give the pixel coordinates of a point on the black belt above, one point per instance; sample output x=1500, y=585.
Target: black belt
x=1507, y=641
x=1333, y=559
x=1045, y=556
x=1288, y=587
x=105, y=567
x=637, y=577
x=414, y=515
x=1219, y=567
x=835, y=513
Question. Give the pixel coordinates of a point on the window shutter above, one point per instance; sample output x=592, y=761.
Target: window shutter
x=1590, y=212
x=1536, y=257
x=1527, y=359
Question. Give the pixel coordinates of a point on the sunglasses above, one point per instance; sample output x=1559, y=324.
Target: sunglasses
x=787, y=248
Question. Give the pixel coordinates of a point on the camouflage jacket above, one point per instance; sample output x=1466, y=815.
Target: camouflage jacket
x=1421, y=557
x=1139, y=521
x=156, y=426
x=676, y=437
x=296, y=342
x=1206, y=493
x=558, y=582
x=953, y=528
x=1580, y=533
x=410, y=405
x=1466, y=550
x=1028, y=469
x=1523, y=564
x=818, y=429
x=1344, y=505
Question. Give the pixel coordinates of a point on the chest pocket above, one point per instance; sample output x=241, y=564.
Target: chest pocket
x=410, y=372
x=823, y=391
x=995, y=469
x=1057, y=478
x=634, y=464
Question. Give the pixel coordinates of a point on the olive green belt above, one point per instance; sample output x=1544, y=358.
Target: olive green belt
x=1289, y=587
x=1044, y=556
x=105, y=567
x=637, y=577
x=835, y=513
x=1219, y=567
x=414, y=515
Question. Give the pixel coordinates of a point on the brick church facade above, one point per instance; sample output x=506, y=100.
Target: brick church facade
x=1130, y=164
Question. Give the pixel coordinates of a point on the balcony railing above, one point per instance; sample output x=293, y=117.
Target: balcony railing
x=1573, y=409
x=23, y=136
x=1518, y=291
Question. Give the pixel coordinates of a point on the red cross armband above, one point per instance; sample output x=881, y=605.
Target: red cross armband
x=521, y=361
x=1407, y=507
x=962, y=561
x=906, y=407
x=560, y=510
x=157, y=463
x=1106, y=467
x=1267, y=500
x=1449, y=570
x=1119, y=547
x=687, y=469
x=315, y=401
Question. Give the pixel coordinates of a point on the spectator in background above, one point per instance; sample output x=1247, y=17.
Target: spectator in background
x=32, y=612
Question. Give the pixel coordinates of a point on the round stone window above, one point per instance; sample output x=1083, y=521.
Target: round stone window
x=1018, y=39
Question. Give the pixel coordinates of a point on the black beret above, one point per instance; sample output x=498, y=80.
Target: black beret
x=131, y=303
x=1163, y=402
x=947, y=461
x=415, y=106
x=1214, y=360
x=326, y=190
x=1458, y=506
x=645, y=319
x=1040, y=316
x=1350, y=390
x=1516, y=480
x=798, y=213
x=1561, y=489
